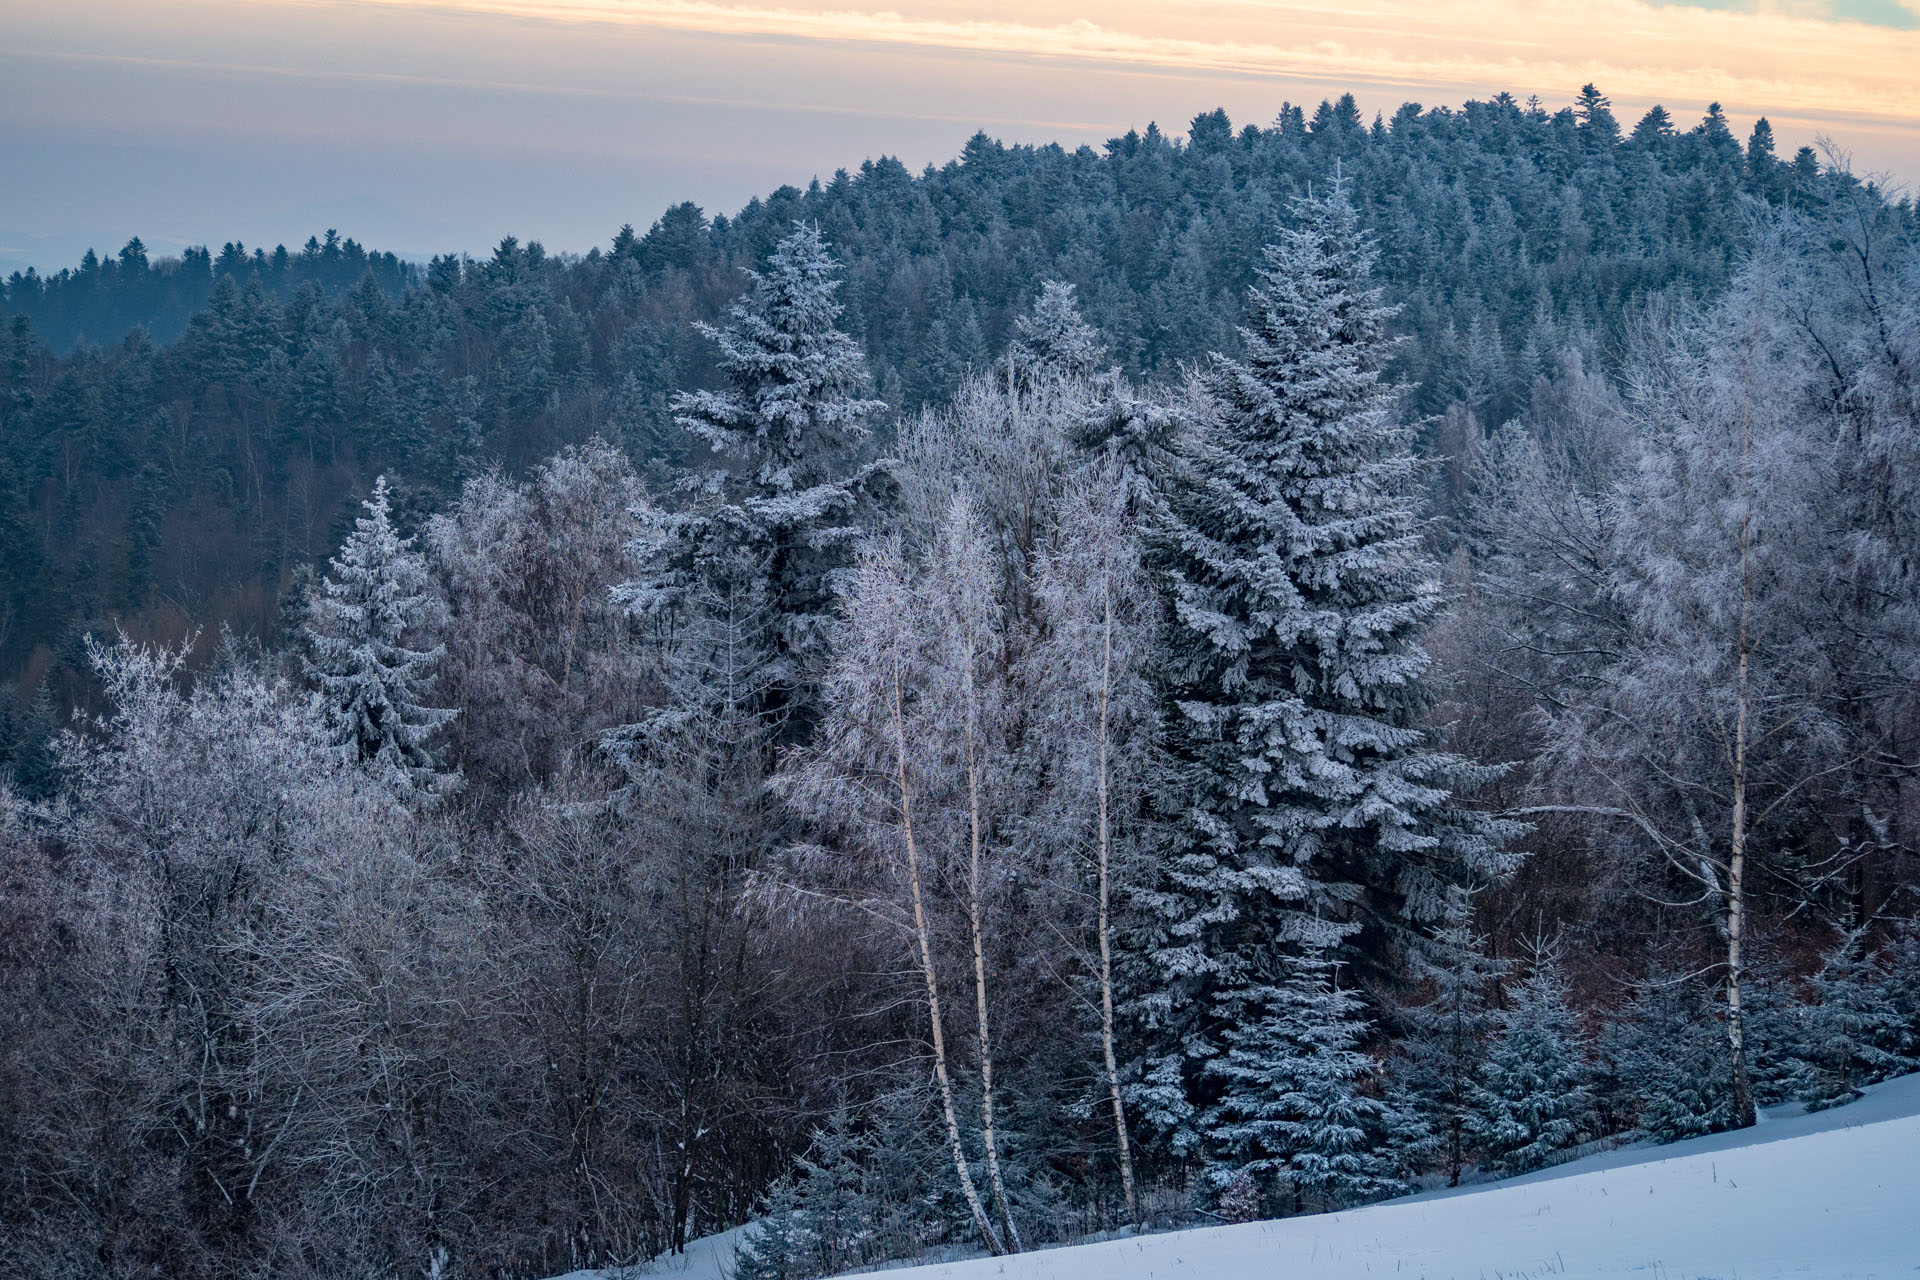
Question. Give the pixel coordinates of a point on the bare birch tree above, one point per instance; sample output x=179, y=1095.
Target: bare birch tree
x=1687, y=717
x=1087, y=677
x=872, y=761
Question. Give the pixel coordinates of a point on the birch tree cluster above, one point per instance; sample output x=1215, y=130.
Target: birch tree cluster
x=1083, y=803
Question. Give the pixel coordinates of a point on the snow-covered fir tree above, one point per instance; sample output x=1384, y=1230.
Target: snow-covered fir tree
x=769, y=532
x=1293, y=1110
x=373, y=687
x=819, y=1220
x=780, y=1243
x=1535, y=1096
x=1851, y=1033
x=1900, y=990
x=1305, y=804
x=1053, y=340
x=1445, y=1035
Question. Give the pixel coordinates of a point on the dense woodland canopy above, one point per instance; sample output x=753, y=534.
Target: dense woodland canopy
x=179, y=438
x=1230, y=677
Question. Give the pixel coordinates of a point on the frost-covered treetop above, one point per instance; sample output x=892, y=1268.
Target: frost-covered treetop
x=1053, y=339
x=796, y=387
x=376, y=584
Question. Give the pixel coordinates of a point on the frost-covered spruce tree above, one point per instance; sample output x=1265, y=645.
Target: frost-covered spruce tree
x=1899, y=989
x=769, y=533
x=1445, y=1036
x=373, y=688
x=780, y=1244
x=820, y=1220
x=1308, y=811
x=1292, y=1107
x=1534, y=1097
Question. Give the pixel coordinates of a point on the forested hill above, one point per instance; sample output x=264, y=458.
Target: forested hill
x=166, y=484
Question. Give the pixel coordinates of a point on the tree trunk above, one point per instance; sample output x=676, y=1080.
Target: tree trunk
x=1455, y=1156
x=1124, y=1146
x=1743, y=1114
x=1742, y=1084
x=960, y=1166
x=980, y=967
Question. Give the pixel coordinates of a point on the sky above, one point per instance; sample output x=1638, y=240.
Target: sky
x=426, y=126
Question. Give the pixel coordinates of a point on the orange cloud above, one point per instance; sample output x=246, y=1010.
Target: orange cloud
x=1765, y=61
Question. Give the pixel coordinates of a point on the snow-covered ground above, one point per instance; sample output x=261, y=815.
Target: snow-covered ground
x=708, y=1258
x=1833, y=1195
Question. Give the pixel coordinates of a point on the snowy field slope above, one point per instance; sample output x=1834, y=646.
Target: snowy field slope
x=1834, y=1195
x=1895, y=1099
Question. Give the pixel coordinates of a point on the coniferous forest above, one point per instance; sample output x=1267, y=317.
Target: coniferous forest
x=1214, y=678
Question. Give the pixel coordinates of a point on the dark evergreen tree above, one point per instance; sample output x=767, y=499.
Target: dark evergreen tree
x=768, y=535
x=1667, y=1055
x=1534, y=1098
x=1444, y=1038
x=820, y=1220
x=1655, y=127
x=1294, y=1108
x=1900, y=992
x=27, y=744
x=780, y=1244
x=1594, y=111
x=1851, y=1032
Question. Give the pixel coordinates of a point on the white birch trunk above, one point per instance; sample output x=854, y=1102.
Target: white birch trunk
x=1125, y=1147
x=960, y=1165
x=1743, y=1113
x=980, y=964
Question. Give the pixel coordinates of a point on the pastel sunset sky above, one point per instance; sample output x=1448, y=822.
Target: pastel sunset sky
x=430, y=125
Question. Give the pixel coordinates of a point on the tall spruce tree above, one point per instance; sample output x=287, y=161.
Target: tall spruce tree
x=372, y=685
x=768, y=533
x=1307, y=811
